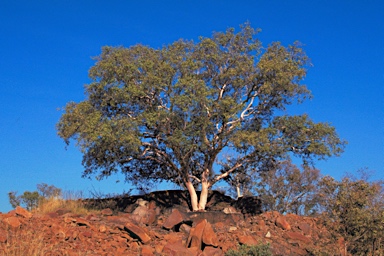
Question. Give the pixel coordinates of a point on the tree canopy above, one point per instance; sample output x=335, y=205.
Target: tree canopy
x=194, y=113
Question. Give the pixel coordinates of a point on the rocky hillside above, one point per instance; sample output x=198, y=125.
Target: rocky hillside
x=161, y=224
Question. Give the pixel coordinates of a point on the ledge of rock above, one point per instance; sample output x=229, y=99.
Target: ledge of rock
x=151, y=225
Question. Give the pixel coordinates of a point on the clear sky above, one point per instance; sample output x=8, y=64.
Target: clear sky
x=46, y=49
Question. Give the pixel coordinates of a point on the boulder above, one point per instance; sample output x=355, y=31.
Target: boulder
x=13, y=222
x=3, y=237
x=106, y=212
x=305, y=227
x=23, y=212
x=176, y=249
x=212, y=251
x=196, y=234
x=146, y=250
x=174, y=219
x=247, y=240
x=296, y=236
x=281, y=222
x=209, y=236
x=137, y=232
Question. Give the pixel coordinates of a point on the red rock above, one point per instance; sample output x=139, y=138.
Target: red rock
x=296, y=236
x=298, y=251
x=185, y=228
x=68, y=219
x=62, y=211
x=141, y=211
x=209, y=236
x=261, y=224
x=174, y=219
x=102, y=229
x=3, y=238
x=107, y=212
x=87, y=234
x=65, y=235
x=220, y=225
x=137, y=232
x=281, y=222
x=305, y=227
x=14, y=222
x=176, y=249
x=120, y=251
x=52, y=215
x=83, y=222
x=150, y=218
x=247, y=240
x=146, y=250
x=23, y=212
x=152, y=205
x=173, y=237
x=212, y=251
x=196, y=234
x=195, y=251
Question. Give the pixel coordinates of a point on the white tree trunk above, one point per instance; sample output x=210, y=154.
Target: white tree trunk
x=204, y=190
x=193, y=195
x=203, y=195
x=239, y=195
x=199, y=205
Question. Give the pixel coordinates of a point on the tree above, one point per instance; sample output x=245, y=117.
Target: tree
x=355, y=209
x=31, y=200
x=287, y=189
x=174, y=113
x=48, y=191
x=14, y=199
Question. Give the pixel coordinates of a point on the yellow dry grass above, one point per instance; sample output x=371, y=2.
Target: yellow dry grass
x=70, y=201
x=20, y=242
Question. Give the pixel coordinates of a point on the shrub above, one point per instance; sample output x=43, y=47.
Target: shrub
x=253, y=250
x=355, y=209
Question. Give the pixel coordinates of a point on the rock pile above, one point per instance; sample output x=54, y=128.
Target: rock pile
x=146, y=228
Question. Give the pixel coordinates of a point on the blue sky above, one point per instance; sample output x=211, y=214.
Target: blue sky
x=46, y=49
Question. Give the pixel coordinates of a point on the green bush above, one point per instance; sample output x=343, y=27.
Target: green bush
x=255, y=250
x=354, y=207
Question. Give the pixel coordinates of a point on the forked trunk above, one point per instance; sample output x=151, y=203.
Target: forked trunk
x=198, y=205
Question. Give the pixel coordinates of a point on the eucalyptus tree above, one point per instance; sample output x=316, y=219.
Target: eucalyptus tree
x=195, y=113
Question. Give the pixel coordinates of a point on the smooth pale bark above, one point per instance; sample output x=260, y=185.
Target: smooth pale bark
x=203, y=195
x=193, y=195
x=199, y=204
x=239, y=195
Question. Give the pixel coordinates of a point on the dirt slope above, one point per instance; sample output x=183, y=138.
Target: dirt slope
x=161, y=224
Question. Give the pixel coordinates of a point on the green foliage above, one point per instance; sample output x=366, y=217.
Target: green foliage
x=170, y=113
x=287, y=189
x=30, y=200
x=48, y=191
x=355, y=209
x=255, y=250
x=14, y=199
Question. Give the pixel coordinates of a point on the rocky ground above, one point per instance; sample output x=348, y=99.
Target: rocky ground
x=161, y=224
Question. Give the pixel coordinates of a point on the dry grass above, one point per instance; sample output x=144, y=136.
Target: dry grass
x=29, y=240
x=31, y=243
x=24, y=243
x=70, y=201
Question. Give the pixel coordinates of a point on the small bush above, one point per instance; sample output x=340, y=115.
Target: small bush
x=253, y=250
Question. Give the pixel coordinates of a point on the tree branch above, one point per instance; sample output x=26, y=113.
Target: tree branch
x=227, y=173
